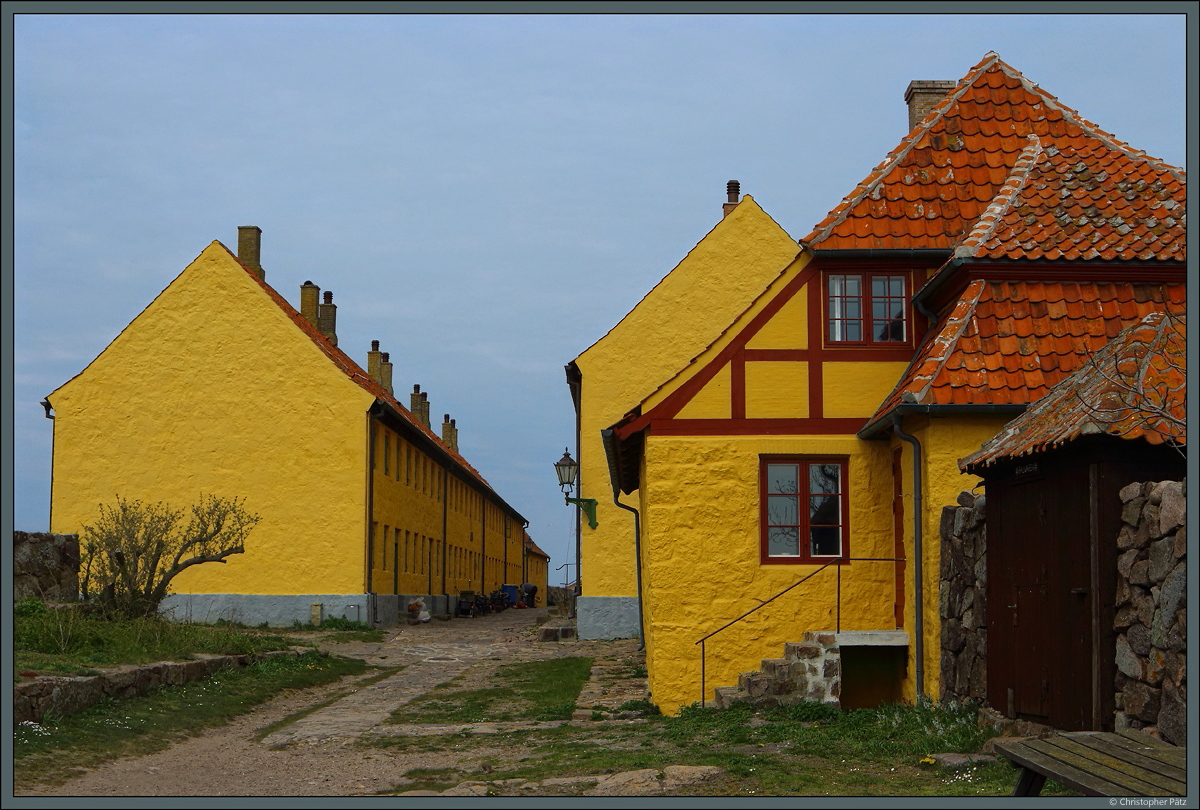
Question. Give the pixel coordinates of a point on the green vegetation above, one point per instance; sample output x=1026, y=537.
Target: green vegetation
x=54, y=750
x=134, y=550
x=538, y=690
x=70, y=639
x=807, y=749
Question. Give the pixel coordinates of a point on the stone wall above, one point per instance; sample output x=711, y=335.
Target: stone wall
x=38, y=697
x=962, y=600
x=1151, y=601
x=45, y=566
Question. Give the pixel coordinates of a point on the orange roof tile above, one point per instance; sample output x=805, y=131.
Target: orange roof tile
x=973, y=156
x=1135, y=387
x=362, y=378
x=996, y=345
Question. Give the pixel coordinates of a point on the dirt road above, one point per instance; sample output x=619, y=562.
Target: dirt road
x=316, y=755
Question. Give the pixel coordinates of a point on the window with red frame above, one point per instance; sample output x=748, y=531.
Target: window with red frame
x=804, y=506
x=870, y=308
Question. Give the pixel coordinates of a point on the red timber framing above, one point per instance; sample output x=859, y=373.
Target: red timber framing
x=662, y=418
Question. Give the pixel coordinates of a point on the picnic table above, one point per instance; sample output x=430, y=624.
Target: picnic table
x=1098, y=763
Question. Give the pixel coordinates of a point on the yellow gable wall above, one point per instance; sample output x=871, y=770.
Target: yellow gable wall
x=943, y=442
x=685, y=312
x=776, y=390
x=857, y=389
x=788, y=329
x=213, y=389
x=711, y=401
x=701, y=568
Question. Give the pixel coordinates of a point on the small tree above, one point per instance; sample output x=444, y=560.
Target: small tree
x=134, y=550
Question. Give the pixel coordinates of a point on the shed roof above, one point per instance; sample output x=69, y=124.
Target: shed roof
x=1134, y=387
x=1010, y=342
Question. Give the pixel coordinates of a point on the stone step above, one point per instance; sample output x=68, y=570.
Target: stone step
x=726, y=696
x=777, y=667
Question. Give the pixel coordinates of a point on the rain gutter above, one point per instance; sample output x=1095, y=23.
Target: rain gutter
x=874, y=429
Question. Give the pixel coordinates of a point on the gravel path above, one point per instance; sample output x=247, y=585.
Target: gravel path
x=316, y=755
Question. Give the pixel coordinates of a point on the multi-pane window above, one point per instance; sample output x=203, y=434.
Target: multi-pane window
x=867, y=308
x=804, y=506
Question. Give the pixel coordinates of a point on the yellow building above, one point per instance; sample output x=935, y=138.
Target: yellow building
x=789, y=474
x=221, y=387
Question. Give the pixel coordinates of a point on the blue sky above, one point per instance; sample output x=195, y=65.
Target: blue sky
x=484, y=194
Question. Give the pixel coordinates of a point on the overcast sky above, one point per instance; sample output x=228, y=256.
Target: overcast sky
x=485, y=195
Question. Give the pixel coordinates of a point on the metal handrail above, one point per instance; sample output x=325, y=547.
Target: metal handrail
x=838, y=608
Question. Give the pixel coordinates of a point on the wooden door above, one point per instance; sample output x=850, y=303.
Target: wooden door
x=1039, y=610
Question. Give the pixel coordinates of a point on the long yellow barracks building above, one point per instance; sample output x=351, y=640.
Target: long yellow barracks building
x=221, y=387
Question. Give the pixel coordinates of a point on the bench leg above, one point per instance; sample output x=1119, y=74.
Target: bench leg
x=1029, y=783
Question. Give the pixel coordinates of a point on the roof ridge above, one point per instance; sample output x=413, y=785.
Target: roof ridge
x=998, y=207
x=356, y=373
x=967, y=317
x=876, y=178
x=907, y=143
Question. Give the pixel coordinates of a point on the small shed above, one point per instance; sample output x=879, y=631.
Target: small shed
x=1054, y=514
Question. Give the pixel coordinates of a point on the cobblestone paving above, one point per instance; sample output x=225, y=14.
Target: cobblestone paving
x=437, y=652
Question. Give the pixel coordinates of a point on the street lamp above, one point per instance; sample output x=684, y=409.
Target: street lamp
x=567, y=470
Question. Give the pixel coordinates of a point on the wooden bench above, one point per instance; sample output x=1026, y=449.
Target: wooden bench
x=1098, y=763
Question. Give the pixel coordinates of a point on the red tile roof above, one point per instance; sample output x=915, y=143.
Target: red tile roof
x=936, y=185
x=533, y=547
x=1009, y=342
x=362, y=378
x=1135, y=387
x=1087, y=202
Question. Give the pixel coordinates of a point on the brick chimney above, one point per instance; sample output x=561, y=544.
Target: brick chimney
x=310, y=295
x=450, y=432
x=732, y=191
x=373, y=363
x=385, y=370
x=250, y=248
x=425, y=410
x=327, y=318
x=414, y=402
x=922, y=96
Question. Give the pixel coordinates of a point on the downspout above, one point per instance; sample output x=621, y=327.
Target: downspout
x=524, y=555
x=609, y=439
x=919, y=607
x=483, y=545
x=445, y=539
x=373, y=415
x=46, y=404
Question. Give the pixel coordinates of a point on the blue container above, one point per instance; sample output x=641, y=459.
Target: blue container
x=510, y=593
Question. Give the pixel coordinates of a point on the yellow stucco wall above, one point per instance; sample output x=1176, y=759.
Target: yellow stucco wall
x=788, y=329
x=857, y=389
x=430, y=522
x=670, y=326
x=711, y=401
x=213, y=389
x=778, y=389
x=944, y=440
x=701, y=559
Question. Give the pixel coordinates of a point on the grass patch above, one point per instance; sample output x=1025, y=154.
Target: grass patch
x=537, y=690
x=69, y=640
x=55, y=750
x=804, y=750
